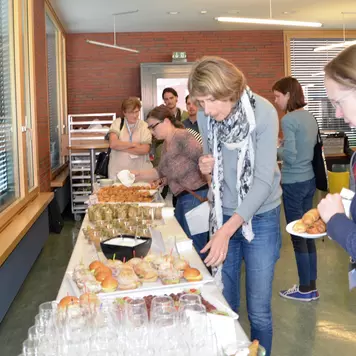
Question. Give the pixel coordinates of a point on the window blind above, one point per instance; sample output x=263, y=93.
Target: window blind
x=307, y=66
x=7, y=153
x=51, y=34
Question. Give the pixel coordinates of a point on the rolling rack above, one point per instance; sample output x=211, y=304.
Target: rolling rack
x=85, y=130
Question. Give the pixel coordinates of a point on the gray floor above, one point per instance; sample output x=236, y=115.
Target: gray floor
x=323, y=328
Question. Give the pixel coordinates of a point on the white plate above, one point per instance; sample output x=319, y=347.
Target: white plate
x=290, y=230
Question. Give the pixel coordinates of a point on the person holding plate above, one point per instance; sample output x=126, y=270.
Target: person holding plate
x=300, y=131
x=240, y=131
x=130, y=140
x=340, y=84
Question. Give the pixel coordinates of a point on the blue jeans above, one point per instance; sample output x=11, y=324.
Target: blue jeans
x=260, y=256
x=297, y=200
x=184, y=204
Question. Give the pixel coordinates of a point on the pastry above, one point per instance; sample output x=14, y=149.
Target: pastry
x=299, y=226
x=253, y=348
x=310, y=217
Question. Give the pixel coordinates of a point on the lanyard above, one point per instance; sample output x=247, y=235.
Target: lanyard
x=129, y=129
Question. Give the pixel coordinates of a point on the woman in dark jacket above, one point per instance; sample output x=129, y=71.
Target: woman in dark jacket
x=340, y=83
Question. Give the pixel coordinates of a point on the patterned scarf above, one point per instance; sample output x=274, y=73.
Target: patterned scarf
x=235, y=134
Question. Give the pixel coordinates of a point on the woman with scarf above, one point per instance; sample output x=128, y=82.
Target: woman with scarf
x=240, y=132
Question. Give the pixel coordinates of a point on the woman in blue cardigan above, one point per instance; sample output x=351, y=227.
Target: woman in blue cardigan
x=340, y=84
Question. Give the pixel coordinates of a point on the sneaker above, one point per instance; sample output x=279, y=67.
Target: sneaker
x=295, y=294
x=315, y=294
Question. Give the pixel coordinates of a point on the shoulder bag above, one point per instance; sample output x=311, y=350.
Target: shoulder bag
x=102, y=163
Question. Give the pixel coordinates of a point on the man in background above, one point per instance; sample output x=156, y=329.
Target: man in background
x=170, y=98
x=191, y=121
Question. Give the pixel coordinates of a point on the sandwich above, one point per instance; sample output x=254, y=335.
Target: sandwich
x=180, y=264
x=134, y=261
x=102, y=275
x=89, y=299
x=94, y=265
x=68, y=302
x=109, y=284
x=127, y=279
x=192, y=275
x=146, y=272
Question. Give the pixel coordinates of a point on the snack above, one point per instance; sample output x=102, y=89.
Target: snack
x=128, y=280
x=89, y=298
x=253, y=348
x=94, y=265
x=67, y=302
x=192, y=275
x=109, y=284
x=310, y=217
x=180, y=264
x=310, y=223
x=102, y=275
x=124, y=194
x=299, y=226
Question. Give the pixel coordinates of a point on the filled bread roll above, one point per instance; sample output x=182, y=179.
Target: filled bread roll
x=299, y=226
x=310, y=217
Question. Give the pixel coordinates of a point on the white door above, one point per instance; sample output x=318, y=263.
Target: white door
x=157, y=76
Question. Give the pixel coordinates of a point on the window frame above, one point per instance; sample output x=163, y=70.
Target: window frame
x=18, y=80
x=62, y=87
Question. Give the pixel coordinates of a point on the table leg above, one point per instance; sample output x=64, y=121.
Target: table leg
x=92, y=167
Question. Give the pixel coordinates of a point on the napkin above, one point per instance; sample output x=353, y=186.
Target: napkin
x=126, y=177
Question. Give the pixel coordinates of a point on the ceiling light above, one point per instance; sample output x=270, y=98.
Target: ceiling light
x=114, y=45
x=203, y=12
x=173, y=12
x=233, y=12
x=340, y=44
x=268, y=21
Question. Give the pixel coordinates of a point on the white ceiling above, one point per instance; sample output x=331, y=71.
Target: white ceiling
x=83, y=16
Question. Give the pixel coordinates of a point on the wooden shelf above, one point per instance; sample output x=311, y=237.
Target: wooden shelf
x=59, y=181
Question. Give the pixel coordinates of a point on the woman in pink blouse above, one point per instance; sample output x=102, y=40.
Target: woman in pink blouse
x=178, y=167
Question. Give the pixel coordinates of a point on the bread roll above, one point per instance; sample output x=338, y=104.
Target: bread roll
x=299, y=226
x=310, y=217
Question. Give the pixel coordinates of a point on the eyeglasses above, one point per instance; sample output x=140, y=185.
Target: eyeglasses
x=152, y=127
x=337, y=104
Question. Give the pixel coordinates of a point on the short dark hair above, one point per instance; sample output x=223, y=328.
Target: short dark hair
x=169, y=90
x=292, y=86
x=162, y=112
x=186, y=98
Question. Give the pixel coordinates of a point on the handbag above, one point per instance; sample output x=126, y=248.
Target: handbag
x=102, y=162
x=198, y=218
x=319, y=165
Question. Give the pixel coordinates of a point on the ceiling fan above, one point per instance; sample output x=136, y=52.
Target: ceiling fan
x=114, y=45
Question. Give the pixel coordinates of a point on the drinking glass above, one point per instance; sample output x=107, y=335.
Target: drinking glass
x=189, y=299
x=30, y=348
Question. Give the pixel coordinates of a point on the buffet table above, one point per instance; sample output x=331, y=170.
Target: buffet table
x=85, y=253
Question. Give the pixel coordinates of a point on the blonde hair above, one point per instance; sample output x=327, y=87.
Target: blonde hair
x=131, y=104
x=217, y=77
x=342, y=69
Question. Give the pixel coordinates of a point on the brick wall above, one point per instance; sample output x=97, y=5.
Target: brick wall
x=99, y=78
x=42, y=118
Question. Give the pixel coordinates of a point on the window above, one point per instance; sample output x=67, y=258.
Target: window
x=18, y=160
x=56, y=87
x=9, y=182
x=307, y=66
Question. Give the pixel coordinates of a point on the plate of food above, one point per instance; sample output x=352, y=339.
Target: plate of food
x=310, y=226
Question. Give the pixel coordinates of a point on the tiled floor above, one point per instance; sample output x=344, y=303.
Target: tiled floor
x=323, y=328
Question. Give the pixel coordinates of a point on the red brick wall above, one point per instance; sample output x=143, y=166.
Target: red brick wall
x=99, y=78
x=42, y=119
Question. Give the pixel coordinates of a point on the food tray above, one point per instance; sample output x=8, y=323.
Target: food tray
x=157, y=199
x=175, y=289
x=148, y=286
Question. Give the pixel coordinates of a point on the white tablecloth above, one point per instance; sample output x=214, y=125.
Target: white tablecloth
x=85, y=253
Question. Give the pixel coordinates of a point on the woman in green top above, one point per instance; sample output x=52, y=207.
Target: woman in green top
x=300, y=131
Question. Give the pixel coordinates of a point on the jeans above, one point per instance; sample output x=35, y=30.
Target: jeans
x=297, y=200
x=260, y=256
x=184, y=204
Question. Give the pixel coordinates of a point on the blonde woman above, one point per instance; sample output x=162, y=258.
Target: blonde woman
x=340, y=84
x=130, y=143
x=239, y=131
